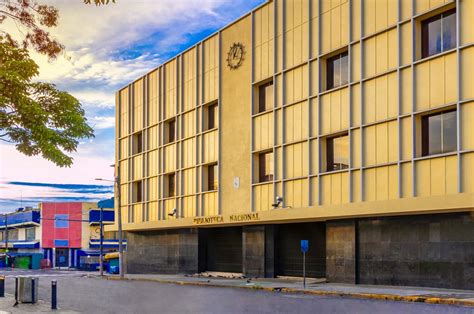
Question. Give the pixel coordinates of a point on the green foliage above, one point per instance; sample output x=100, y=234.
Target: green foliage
x=37, y=117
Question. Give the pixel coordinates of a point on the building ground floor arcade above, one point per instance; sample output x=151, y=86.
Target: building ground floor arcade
x=435, y=250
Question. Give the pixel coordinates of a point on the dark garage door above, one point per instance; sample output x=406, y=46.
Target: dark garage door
x=289, y=259
x=220, y=249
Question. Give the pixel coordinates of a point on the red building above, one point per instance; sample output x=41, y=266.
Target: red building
x=64, y=229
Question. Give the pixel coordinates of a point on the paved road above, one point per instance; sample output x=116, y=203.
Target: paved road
x=93, y=295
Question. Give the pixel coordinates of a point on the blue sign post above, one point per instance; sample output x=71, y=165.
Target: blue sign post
x=304, y=248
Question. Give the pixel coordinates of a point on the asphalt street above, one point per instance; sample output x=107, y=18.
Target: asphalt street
x=77, y=292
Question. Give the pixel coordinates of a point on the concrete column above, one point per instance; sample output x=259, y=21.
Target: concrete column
x=53, y=258
x=258, y=251
x=341, y=253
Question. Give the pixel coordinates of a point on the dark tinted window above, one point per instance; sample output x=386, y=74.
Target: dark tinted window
x=170, y=131
x=265, y=97
x=337, y=70
x=439, y=133
x=212, y=117
x=265, y=166
x=138, y=143
x=439, y=33
x=171, y=185
x=212, y=177
x=337, y=153
x=138, y=192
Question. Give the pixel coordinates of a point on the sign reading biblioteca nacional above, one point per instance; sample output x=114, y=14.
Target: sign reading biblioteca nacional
x=231, y=218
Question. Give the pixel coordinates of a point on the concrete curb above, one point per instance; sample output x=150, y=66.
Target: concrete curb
x=374, y=296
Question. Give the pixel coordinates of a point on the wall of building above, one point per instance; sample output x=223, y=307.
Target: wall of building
x=428, y=250
x=424, y=250
x=341, y=259
x=174, y=251
x=235, y=135
x=288, y=42
x=74, y=232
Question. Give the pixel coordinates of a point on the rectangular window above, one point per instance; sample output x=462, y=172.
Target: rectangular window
x=30, y=234
x=138, y=143
x=170, y=184
x=438, y=33
x=170, y=129
x=337, y=71
x=13, y=235
x=61, y=243
x=265, y=167
x=138, y=191
x=212, y=178
x=337, y=149
x=265, y=97
x=210, y=120
x=438, y=133
x=61, y=221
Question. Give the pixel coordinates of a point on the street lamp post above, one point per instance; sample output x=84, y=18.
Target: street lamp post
x=6, y=239
x=101, y=242
x=119, y=223
x=119, y=219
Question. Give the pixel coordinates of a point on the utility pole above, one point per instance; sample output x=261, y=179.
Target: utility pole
x=101, y=242
x=119, y=221
x=6, y=239
x=119, y=214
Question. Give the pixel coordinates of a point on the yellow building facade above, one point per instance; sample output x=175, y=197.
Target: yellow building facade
x=338, y=121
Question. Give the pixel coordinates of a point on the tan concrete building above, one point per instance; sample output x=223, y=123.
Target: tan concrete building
x=347, y=123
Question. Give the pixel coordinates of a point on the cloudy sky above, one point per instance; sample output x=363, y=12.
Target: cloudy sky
x=106, y=47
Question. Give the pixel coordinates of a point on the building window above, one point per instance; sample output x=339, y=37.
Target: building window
x=61, y=243
x=438, y=133
x=438, y=33
x=210, y=117
x=170, y=129
x=137, y=143
x=210, y=177
x=170, y=184
x=1, y=235
x=265, y=97
x=138, y=191
x=337, y=150
x=265, y=167
x=13, y=235
x=337, y=70
x=61, y=221
x=30, y=234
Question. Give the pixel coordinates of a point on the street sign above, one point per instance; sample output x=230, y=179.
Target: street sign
x=304, y=246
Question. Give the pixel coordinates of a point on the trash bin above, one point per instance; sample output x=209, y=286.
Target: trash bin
x=26, y=290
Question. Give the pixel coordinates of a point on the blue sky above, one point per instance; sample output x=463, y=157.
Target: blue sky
x=106, y=47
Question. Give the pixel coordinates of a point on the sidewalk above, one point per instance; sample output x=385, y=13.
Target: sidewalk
x=295, y=285
x=6, y=306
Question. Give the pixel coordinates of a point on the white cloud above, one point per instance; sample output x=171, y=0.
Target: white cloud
x=95, y=67
x=102, y=122
x=18, y=167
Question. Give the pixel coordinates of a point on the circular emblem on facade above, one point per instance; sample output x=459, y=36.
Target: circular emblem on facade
x=235, y=56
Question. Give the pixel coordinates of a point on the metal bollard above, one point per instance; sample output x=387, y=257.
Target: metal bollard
x=16, y=291
x=2, y=286
x=33, y=284
x=54, y=300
